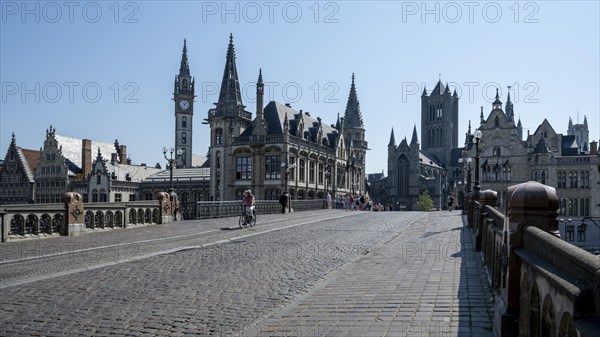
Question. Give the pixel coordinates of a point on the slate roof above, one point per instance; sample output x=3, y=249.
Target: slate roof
x=274, y=117
x=184, y=174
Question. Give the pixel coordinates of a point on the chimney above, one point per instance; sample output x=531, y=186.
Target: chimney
x=86, y=157
x=123, y=154
x=594, y=148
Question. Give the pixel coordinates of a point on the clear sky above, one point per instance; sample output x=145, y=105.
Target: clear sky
x=105, y=70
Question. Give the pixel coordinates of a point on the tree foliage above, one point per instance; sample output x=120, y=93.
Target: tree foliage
x=425, y=203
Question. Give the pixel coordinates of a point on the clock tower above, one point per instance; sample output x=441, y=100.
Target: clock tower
x=183, y=96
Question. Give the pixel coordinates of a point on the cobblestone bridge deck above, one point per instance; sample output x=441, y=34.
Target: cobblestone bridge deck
x=317, y=273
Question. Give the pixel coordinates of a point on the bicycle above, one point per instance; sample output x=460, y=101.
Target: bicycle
x=247, y=218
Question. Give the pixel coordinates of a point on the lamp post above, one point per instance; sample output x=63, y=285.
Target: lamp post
x=476, y=140
x=327, y=177
x=286, y=167
x=583, y=225
x=172, y=161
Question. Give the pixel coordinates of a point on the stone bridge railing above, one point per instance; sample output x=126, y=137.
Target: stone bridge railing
x=219, y=209
x=544, y=286
x=72, y=217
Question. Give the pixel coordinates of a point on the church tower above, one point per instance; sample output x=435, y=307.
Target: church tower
x=354, y=134
x=439, y=123
x=183, y=95
x=227, y=120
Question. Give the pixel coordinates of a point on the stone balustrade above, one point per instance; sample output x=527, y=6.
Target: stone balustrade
x=544, y=286
x=72, y=217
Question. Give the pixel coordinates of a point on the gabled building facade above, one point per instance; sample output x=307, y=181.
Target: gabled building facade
x=17, y=184
x=281, y=149
x=545, y=156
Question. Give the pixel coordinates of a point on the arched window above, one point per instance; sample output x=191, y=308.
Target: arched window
x=218, y=136
x=184, y=122
x=403, y=177
x=183, y=137
x=497, y=121
x=543, y=177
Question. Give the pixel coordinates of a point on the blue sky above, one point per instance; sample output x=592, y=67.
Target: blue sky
x=105, y=70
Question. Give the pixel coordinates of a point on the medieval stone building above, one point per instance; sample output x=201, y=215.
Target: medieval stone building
x=281, y=149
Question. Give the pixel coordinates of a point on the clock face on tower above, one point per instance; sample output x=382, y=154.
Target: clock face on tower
x=184, y=104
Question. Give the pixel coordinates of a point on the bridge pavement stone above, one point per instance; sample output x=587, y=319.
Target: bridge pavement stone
x=426, y=281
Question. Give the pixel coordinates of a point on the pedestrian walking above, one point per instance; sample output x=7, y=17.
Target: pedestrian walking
x=283, y=201
x=328, y=200
x=450, y=201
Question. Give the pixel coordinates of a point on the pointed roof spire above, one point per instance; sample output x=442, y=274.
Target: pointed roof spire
x=509, y=107
x=469, y=131
x=455, y=95
x=447, y=89
x=13, y=141
x=415, y=138
x=230, y=95
x=338, y=125
x=585, y=121
x=497, y=103
x=260, y=79
x=439, y=88
x=392, y=139
x=184, y=69
x=424, y=92
x=352, y=116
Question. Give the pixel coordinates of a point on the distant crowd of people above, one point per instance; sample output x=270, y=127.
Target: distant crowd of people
x=349, y=202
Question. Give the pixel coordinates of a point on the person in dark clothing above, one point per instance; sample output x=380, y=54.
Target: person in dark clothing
x=283, y=200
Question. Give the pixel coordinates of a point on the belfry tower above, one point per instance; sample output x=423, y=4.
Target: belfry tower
x=183, y=95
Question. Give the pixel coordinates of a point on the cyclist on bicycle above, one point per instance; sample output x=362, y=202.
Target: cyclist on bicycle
x=249, y=201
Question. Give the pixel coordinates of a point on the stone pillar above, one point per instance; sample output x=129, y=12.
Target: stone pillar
x=4, y=226
x=490, y=198
x=530, y=204
x=166, y=209
x=74, y=220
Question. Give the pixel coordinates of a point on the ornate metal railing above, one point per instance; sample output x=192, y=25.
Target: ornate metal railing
x=221, y=209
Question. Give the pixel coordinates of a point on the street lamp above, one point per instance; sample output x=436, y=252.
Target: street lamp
x=476, y=140
x=171, y=162
x=287, y=168
x=583, y=225
x=327, y=177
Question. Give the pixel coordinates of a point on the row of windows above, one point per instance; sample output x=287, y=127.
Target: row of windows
x=50, y=183
x=573, y=179
x=15, y=192
x=575, y=206
x=48, y=198
x=497, y=173
x=12, y=178
x=274, y=169
x=435, y=137
x=50, y=156
x=50, y=169
x=570, y=233
x=435, y=111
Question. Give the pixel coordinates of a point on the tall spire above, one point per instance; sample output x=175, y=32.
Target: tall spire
x=497, y=103
x=259, y=125
x=415, y=138
x=230, y=95
x=352, y=116
x=184, y=69
x=509, y=107
x=392, y=139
